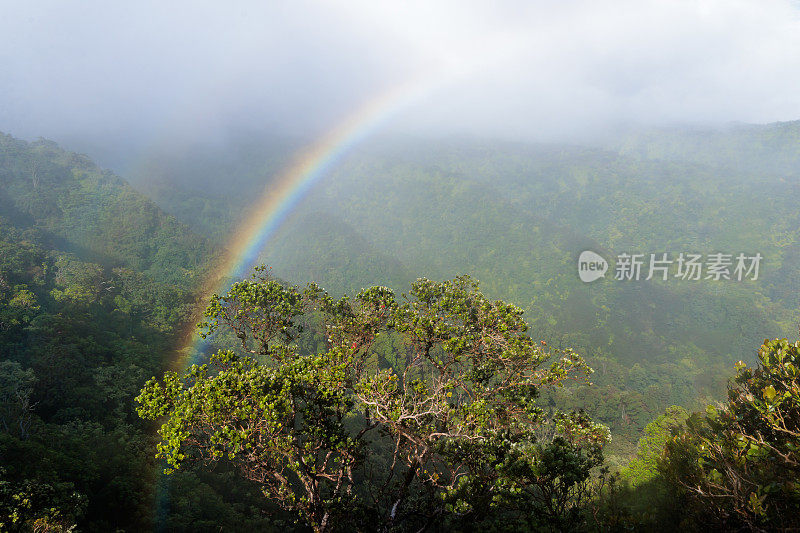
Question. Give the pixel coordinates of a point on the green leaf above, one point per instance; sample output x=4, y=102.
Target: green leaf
x=769, y=393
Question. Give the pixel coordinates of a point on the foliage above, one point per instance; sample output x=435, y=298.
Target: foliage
x=91, y=212
x=39, y=507
x=741, y=462
x=96, y=281
x=465, y=435
x=94, y=284
x=516, y=216
x=644, y=467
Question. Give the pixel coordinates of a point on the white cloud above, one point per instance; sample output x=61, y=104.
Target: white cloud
x=530, y=69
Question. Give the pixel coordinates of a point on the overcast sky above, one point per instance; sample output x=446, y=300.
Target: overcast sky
x=105, y=70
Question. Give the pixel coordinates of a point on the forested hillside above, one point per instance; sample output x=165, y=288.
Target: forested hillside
x=516, y=217
x=400, y=267
x=81, y=208
x=95, y=282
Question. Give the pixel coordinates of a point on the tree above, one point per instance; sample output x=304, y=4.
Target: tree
x=644, y=466
x=16, y=408
x=741, y=462
x=340, y=437
x=39, y=507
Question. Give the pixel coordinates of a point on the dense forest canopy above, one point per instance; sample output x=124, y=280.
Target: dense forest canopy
x=98, y=277
x=399, y=267
x=516, y=217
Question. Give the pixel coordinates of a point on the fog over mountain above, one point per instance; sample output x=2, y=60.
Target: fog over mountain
x=104, y=73
x=433, y=265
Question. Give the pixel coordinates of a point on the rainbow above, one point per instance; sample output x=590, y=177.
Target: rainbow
x=288, y=190
x=265, y=218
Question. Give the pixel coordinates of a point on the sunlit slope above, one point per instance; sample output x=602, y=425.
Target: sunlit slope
x=93, y=213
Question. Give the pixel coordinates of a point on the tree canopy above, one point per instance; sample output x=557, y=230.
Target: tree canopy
x=416, y=410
